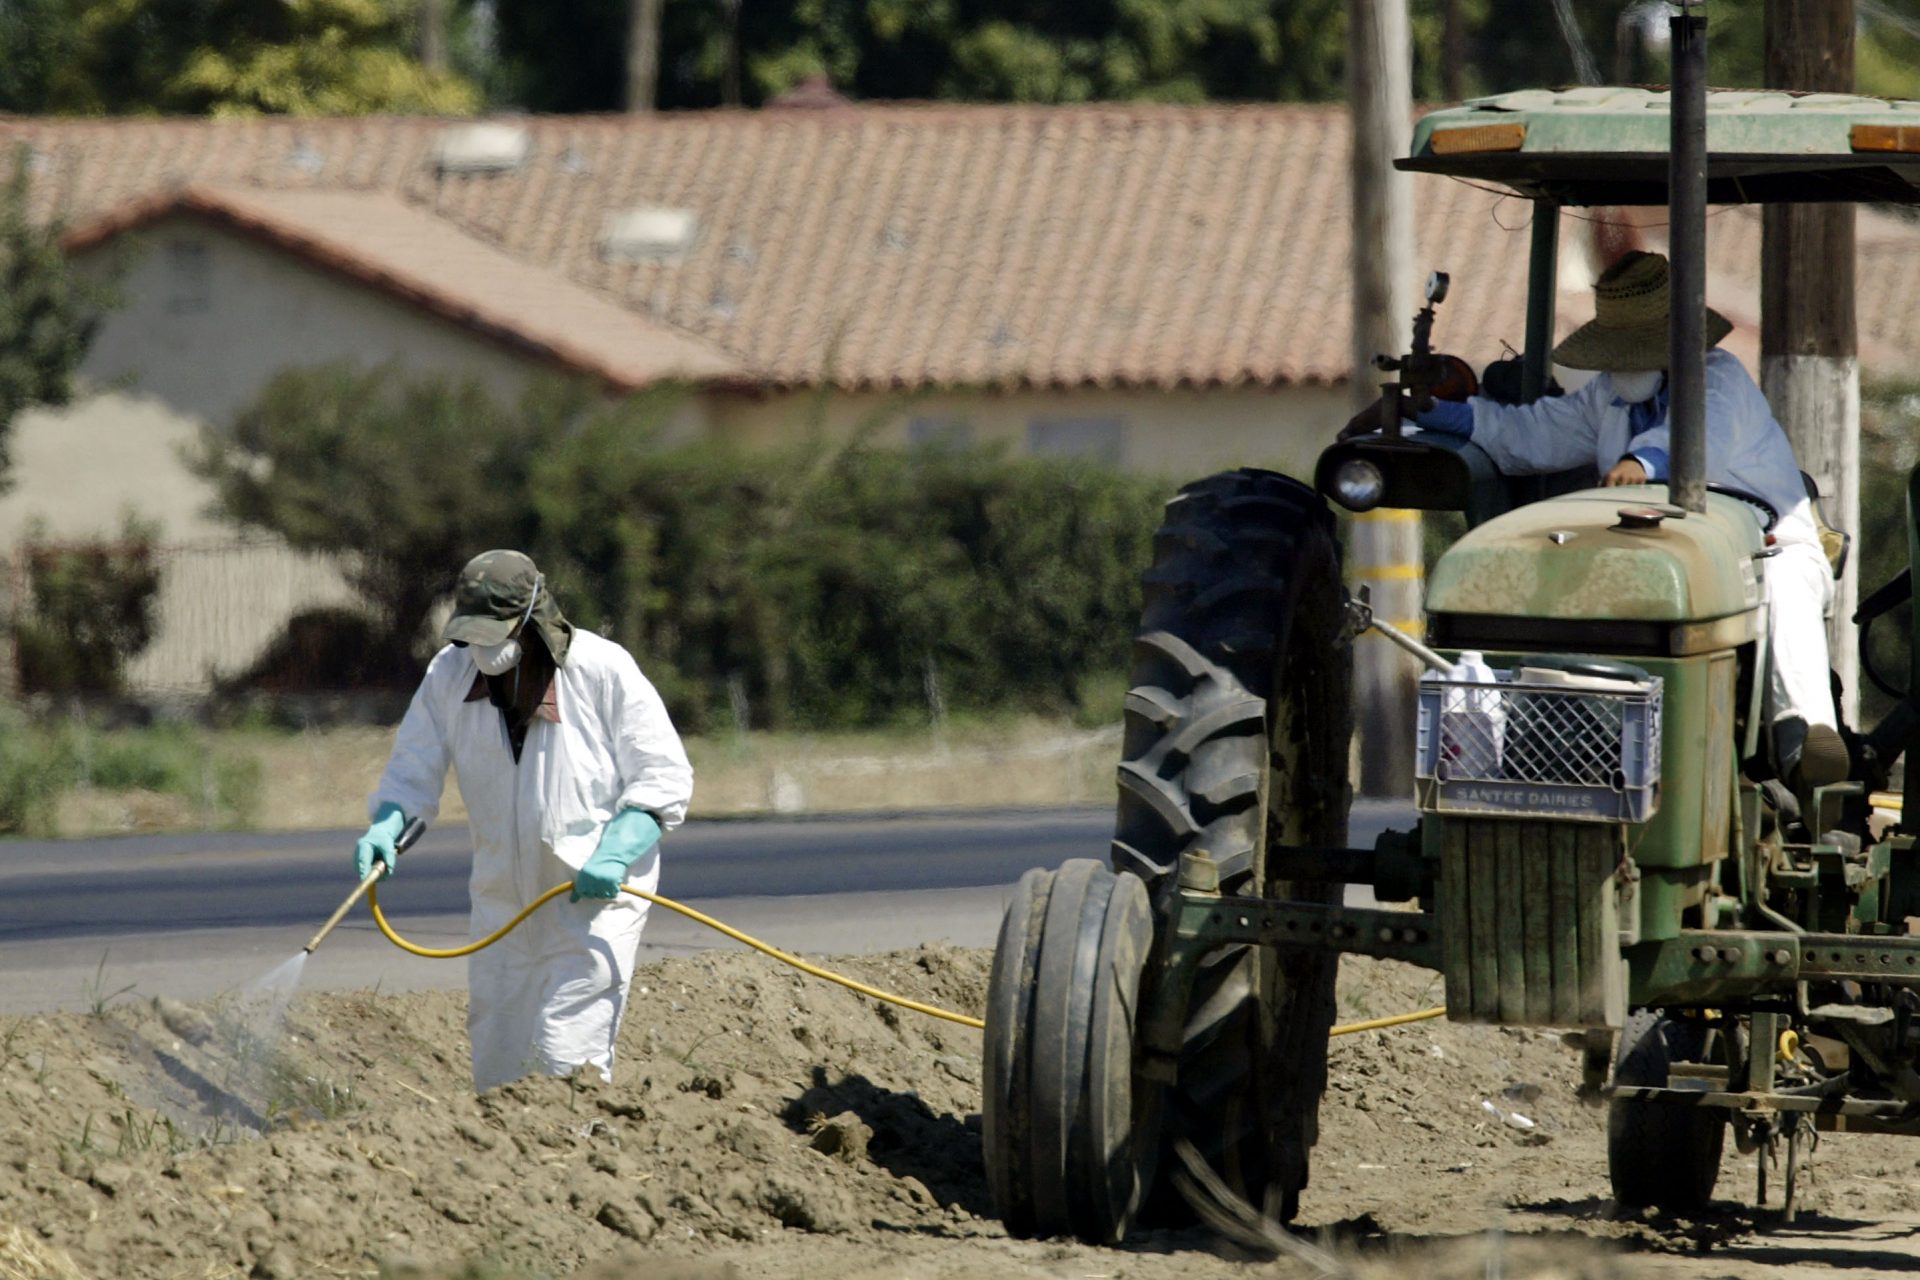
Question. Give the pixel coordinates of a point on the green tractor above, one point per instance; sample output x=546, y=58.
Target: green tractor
x=1728, y=954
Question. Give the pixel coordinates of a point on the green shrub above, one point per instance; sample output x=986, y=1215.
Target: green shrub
x=42, y=760
x=404, y=477
x=1889, y=448
x=825, y=587
x=174, y=759
x=36, y=765
x=813, y=586
x=91, y=611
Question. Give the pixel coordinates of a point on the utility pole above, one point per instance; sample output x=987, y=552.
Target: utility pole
x=643, y=54
x=1384, y=550
x=1809, y=340
x=433, y=34
x=1453, y=52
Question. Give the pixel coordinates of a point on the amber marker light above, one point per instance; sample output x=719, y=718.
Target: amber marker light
x=1885, y=137
x=1467, y=139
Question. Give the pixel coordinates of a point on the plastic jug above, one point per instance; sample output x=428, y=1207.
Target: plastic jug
x=1473, y=719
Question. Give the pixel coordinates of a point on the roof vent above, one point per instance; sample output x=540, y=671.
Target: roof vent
x=648, y=233
x=483, y=148
x=306, y=157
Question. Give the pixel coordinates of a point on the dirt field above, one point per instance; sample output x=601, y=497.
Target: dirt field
x=768, y=1125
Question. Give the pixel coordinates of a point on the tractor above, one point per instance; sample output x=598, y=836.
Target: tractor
x=1622, y=862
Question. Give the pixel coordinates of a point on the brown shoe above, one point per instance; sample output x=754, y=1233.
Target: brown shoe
x=1823, y=760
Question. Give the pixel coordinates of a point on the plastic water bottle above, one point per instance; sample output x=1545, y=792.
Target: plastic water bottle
x=1473, y=720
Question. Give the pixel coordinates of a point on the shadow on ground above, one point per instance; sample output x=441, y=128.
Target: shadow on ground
x=942, y=1152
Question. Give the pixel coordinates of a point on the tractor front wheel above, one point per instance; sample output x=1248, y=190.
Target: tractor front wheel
x=1066, y=1139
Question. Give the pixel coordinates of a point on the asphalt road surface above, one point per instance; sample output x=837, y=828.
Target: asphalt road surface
x=193, y=915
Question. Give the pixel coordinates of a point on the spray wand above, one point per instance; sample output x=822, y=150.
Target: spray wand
x=412, y=832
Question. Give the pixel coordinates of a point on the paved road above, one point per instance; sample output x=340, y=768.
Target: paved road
x=193, y=915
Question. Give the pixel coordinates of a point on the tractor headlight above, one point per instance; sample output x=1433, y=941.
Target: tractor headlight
x=1358, y=485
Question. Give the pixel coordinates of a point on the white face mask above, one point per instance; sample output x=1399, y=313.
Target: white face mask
x=1637, y=386
x=496, y=659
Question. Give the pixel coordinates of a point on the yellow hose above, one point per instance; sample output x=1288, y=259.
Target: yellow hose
x=450, y=953
x=1398, y=1019
x=932, y=1011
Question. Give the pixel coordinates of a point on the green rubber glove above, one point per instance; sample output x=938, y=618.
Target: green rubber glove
x=631, y=833
x=378, y=844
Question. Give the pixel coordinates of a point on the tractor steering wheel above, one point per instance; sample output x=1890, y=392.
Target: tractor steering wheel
x=1768, y=516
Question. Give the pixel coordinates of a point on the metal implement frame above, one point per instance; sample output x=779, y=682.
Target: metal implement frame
x=1717, y=968
x=1831, y=1115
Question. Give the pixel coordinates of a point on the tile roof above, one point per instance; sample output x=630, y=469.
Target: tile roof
x=375, y=238
x=897, y=246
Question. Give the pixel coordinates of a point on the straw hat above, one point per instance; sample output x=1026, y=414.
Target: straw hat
x=1628, y=331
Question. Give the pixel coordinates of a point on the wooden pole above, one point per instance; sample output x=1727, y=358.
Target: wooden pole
x=1809, y=342
x=433, y=34
x=1453, y=52
x=1384, y=549
x=643, y=54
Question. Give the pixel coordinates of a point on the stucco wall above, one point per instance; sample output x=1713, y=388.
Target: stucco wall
x=1172, y=433
x=76, y=470
x=209, y=316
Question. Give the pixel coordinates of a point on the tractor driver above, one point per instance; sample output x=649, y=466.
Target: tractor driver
x=1618, y=421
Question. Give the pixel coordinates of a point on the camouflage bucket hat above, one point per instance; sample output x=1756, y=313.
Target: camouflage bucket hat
x=496, y=591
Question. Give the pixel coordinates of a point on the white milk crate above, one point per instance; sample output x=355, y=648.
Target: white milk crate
x=1537, y=743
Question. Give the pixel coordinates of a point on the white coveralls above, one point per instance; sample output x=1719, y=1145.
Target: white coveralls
x=1746, y=449
x=549, y=996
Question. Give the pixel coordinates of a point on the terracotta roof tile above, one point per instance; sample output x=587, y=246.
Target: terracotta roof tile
x=913, y=246
x=375, y=238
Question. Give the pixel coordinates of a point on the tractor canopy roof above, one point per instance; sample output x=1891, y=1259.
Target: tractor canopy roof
x=1598, y=145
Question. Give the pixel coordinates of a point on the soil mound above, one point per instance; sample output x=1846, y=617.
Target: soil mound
x=762, y=1123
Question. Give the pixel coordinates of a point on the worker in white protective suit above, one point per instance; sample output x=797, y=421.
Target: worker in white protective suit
x=571, y=770
x=1618, y=422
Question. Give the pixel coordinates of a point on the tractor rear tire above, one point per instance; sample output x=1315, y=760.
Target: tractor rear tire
x=1237, y=732
x=1064, y=1133
x=1663, y=1154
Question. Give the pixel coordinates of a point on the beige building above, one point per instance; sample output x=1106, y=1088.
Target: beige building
x=1162, y=288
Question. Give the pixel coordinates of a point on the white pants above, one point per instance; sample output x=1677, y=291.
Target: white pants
x=1799, y=596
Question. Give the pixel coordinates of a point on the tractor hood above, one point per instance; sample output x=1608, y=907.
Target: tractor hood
x=1618, y=554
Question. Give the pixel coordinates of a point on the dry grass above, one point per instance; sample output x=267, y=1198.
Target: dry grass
x=24, y=1256
x=320, y=779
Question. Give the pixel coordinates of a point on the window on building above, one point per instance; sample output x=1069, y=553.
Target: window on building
x=189, y=277
x=1098, y=439
x=949, y=433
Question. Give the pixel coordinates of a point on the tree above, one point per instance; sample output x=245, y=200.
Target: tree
x=404, y=477
x=49, y=312
x=565, y=55
x=219, y=57
x=93, y=610
x=1518, y=44
x=831, y=584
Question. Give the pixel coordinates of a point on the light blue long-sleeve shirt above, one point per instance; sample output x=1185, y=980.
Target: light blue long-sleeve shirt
x=1746, y=448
